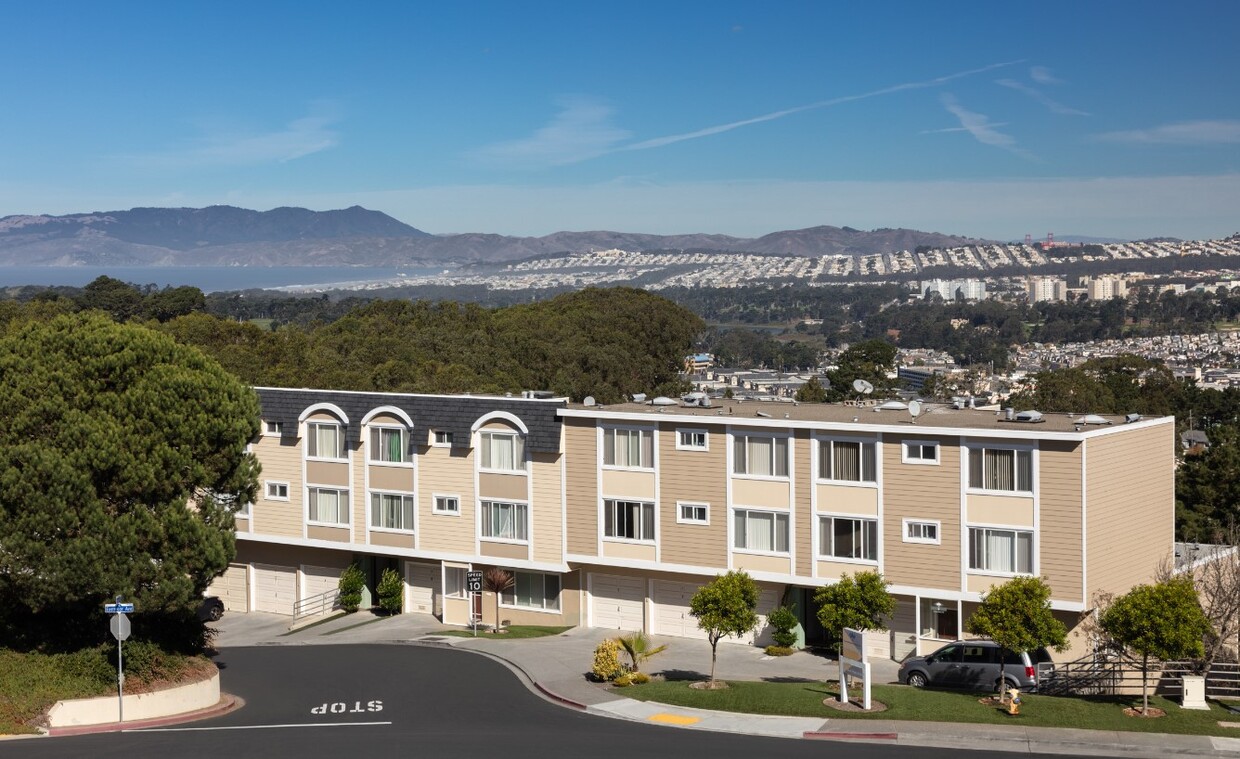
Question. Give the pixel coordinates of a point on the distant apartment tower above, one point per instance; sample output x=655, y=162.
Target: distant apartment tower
x=1046, y=288
x=1106, y=288
x=969, y=289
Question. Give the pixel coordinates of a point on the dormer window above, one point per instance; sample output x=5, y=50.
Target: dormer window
x=389, y=445
x=325, y=440
x=502, y=451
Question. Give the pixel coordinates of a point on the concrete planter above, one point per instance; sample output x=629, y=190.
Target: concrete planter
x=140, y=706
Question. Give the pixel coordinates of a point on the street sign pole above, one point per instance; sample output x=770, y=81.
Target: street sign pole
x=473, y=583
x=119, y=626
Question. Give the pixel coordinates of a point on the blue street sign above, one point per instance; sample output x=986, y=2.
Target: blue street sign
x=118, y=608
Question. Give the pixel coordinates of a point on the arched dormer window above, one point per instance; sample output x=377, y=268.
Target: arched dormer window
x=388, y=439
x=325, y=426
x=500, y=443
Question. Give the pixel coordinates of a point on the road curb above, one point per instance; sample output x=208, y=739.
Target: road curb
x=560, y=699
x=844, y=736
x=227, y=703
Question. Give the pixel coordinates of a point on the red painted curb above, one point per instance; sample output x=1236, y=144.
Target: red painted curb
x=557, y=697
x=226, y=704
x=854, y=736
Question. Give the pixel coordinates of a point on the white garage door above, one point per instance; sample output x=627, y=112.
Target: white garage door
x=768, y=598
x=275, y=588
x=420, y=582
x=671, y=610
x=316, y=581
x=233, y=588
x=617, y=603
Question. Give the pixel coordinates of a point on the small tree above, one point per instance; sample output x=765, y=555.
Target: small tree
x=1163, y=620
x=351, y=583
x=638, y=647
x=811, y=392
x=1017, y=615
x=784, y=620
x=861, y=602
x=725, y=606
x=497, y=581
x=391, y=591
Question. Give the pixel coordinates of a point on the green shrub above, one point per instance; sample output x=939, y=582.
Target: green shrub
x=607, y=661
x=391, y=591
x=779, y=651
x=639, y=678
x=784, y=620
x=351, y=583
x=623, y=681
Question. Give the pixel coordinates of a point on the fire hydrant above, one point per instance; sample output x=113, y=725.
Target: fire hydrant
x=1013, y=702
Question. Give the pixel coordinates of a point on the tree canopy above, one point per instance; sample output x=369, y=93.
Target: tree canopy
x=861, y=602
x=1017, y=615
x=122, y=457
x=725, y=606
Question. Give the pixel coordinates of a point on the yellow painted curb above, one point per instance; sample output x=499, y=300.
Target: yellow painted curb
x=674, y=719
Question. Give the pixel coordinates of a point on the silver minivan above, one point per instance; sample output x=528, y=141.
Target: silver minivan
x=974, y=664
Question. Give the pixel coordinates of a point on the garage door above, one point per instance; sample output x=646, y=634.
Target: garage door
x=275, y=588
x=316, y=581
x=233, y=588
x=671, y=610
x=617, y=603
x=768, y=598
x=420, y=581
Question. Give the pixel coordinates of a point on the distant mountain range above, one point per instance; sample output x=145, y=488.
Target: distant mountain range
x=228, y=236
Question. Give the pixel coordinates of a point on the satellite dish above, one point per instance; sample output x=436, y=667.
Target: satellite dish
x=914, y=410
x=862, y=386
x=589, y=400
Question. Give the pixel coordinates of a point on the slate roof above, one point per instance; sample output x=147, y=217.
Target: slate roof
x=450, y=413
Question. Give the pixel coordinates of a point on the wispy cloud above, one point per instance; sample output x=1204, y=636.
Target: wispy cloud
x=1052, y=105
x=1206, y=132
x=950, y=130
x=299, y=138
x=980, y=126
x=1043, y=75
x=582, y=129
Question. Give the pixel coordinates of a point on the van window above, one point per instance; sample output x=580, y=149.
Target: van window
x=977, y=654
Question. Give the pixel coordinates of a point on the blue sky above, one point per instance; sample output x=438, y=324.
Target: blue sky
x=1102, y=118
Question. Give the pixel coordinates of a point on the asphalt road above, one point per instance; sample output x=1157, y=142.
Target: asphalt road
x=341, y=702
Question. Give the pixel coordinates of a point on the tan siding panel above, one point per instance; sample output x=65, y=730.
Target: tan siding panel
x=393, y=539
x=545, y=511
x=803, y=516
x=281, y=462
x=504, y=550
x=503, y=487
x=442, y=471
x=581, y=447
x=922, y=492
x=391, y=478
x=315, y=532
x=697, y=477
x=1059, y=518
x=328, y=473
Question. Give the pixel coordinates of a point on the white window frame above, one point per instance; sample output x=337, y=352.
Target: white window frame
x=267, y=484
x=245, y=510
x=680, y=512
x=826, y=448
x=441, y=439
x=681, y=445
x=907, y=445
x=610, y=435
x=642, y=508
x=454, y=582
x=345, y=502
x=272, y=428
x=787, y=520
x=404, y=496
x=487, y=437
x=825, y=551
x=518, y=507
x=312, y=441
x=936, y=524
x=436, y=498
x=511, y=593
x=1033, y=550
x=372, y=450
x=740, y=443
x=1017, y=451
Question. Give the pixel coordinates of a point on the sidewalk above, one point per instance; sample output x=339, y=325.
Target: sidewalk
x=556, y=668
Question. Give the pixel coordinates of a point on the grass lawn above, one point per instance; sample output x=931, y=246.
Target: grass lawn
x=904, y=703
x=515, y=632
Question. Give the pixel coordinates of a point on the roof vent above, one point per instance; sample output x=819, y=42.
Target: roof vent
x=663, y=400
x=1092, y=419
x=891, y=406
x=1029, y=417
x=1132, y=418
x=639, y=397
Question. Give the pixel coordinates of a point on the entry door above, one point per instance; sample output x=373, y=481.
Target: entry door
x=421, y=580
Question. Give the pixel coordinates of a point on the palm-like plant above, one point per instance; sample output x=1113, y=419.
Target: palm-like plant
x=637, y=646
x=496, y=580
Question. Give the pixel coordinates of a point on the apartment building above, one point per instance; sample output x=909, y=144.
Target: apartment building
x=1046, y=288
x=613, y=516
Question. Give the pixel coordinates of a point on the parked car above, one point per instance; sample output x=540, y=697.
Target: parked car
x=974, y=664
x=211, y=609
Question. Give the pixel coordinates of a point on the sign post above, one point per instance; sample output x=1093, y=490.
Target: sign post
x=853, y=664
x=120, y=628
x=473, y=585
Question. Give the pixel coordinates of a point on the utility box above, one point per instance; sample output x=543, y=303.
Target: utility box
x=1194, y=693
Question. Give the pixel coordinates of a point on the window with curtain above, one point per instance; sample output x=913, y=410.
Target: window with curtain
x=325, y=440
x=1001, y=469
x=633, y=449
x=504, y=451
x=846, y=461
x=389, y=445
x=533, y=590
x=1007, y=551
x=764, y=456
x=629, y=520
x=506, y=521
x=328, y=506
x=760, y=531
x=454, y=582
x=391, y=511
x=848, y=538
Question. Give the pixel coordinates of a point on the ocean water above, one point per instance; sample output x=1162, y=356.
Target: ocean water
x=206, y=278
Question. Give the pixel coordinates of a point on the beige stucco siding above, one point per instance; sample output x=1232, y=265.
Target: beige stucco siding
x=1059, y=519
x=281, y=460
x=697, y=477
x=358, y=498
x=391, y=478
x=442, y=472
x=640, y=552
x=844, y=499
x=803, y=494
x=393, y=539
x=771, y=494
x=316, y=532
x=755, y=563
x=545, y=513
x=1016, y=511
x=581, y=448
x=622, y=484
x=1130, y=506
x=920, y=491
x=334, y=473
x=504, y=550
x=503, y=487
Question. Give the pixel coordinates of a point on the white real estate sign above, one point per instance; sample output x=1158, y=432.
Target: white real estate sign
x=853, y=664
